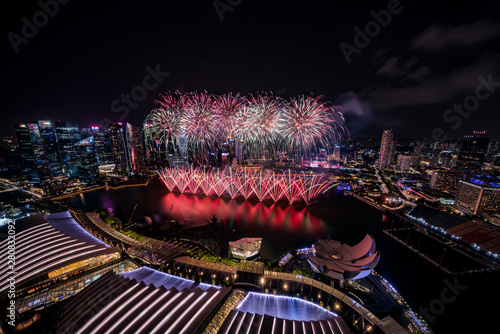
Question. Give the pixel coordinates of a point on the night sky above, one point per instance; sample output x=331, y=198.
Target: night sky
x=429, y=56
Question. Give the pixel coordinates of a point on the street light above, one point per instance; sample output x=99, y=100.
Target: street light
x=262, y=282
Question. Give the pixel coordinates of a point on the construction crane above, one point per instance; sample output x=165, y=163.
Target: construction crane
x=133, y=211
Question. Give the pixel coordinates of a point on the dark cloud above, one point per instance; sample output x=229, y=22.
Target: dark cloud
x=435, y=88
x=438, y=37
x=394, y=67
x=418, y=74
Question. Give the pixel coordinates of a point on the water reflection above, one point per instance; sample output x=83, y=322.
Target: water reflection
x=282, y=227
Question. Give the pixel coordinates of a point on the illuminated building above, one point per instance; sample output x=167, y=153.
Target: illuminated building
x=50, y=146
x=245, y=248
x=86, y=159
x=119, y=148
x=386, y=149
x=68, y=135
x=279, y=314
x=135, y=149
x=102, y=143
x=142, y=301
x=336, y=153
x=127, y=147
x=344, y=262
x=472, y=153
x=404, y=162
x=445, y=180
x=35, y=164
x=494, y=147
x=54, y=259
x=239, y=151
x=478, y=194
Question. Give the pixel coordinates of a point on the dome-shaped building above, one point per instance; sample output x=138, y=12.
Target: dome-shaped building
x=344, y=262
x=144, y=222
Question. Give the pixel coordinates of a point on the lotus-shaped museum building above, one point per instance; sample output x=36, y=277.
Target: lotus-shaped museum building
x=344, y=262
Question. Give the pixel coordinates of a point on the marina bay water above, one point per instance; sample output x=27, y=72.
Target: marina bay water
x=283, y=228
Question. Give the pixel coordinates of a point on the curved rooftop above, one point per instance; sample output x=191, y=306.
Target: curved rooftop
x=158, y=279
x=341, y=261
x=64, y=222
x=119, y=304
x=47, y=246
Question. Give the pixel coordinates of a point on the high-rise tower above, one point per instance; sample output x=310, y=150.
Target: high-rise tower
x=386, y=149
x=471, y=156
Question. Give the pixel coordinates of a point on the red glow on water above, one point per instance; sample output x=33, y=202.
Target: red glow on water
x=251, y=215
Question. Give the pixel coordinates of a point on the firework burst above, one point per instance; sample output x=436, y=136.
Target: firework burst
x=307, y=122
x=264, y=122
x=241, y=183
x=164, y=123
x=228, y=107
x=199, y=121
x=259, y=123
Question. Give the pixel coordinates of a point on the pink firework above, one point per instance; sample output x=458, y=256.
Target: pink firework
x=259, y=126
x=263, y=185
x=164, y=122
x=264, y=122
x=228, y=108
x=199, y=121
x=307, y=122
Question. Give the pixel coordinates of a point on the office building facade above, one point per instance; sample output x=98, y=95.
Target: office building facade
x=68, y=134
x=445, y=180
x=386, y=149
x=35, y=163
x=478, y=195
x=472, y=153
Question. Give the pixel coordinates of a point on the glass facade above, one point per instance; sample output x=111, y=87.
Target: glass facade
x=472, y=153
x=85, y=264
x=69, y=289
x=50, y=147
x=68, y=135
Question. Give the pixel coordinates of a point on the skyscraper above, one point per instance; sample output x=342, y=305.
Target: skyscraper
x=119, y=148
x=87, y=170
x=336, y=153
x=239, y=151
x=11, y=163
x=471, y=156
x=50, y=146
x=102, y=143
x=35, y=164
x=135, y=149
x=68, y=135
x=386, y=149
